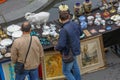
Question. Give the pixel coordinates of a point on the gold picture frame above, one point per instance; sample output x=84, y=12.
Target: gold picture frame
x=52, y=67
x=92, y=54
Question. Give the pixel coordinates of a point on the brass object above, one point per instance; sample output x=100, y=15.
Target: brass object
x=87, y=6
x=113, y=10
x=78, y=9
x=1, y=32
x=63, y=7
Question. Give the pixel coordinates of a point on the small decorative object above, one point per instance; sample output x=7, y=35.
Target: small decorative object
x=8, y=55
x=82, y=36
x=109, y=22
x=17, y=34
x=93, y=31
x=103, y=23
x=44, y=41
x=37, y=18
x=97, y=15
x=87, y=33
x=46, y=31
x=83, y=22
x=115, y=17
x=12, y=28
x=104, y=5
x=118, y=9
x=113, y=10
x=117, y=23
x=1, y=56
x=52, y=26
x=108, y=28
x=1, y=31
x=78, y=9
x=90, y=20
x=106, y=14
x=4, y=35
x=6, y=42
x=87, y=6
x=97, y=21
x=53, y=33
x=34, y=33
x=82, y=18
x=101, y=30
x=3, y=49
x=63, y=7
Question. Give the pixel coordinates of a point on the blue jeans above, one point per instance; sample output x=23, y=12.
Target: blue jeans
x=71, y=70
x=33, y=75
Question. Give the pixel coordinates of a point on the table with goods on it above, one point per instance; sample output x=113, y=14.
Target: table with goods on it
x=101, y=33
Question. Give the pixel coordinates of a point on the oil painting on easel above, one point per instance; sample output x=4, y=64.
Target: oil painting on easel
x=91, y=57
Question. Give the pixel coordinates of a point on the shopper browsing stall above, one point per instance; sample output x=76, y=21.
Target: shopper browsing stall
x=69, y=43
x=28, y=52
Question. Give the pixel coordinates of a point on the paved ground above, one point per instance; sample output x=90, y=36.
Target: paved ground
x=15, y=9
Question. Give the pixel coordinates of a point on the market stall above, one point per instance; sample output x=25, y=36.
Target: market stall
x=99, y=27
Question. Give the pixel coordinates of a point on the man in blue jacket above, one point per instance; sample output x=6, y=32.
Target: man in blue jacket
x=69, y=38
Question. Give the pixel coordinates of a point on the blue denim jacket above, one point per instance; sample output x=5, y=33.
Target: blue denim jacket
x=64, y=43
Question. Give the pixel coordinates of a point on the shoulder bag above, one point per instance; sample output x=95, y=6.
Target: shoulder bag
x=19, y=67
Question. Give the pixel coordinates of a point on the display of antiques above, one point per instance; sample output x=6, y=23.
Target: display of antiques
x=48, y=33
x=93, y=23
x=7, y=35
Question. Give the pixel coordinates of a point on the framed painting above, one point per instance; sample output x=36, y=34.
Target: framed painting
x=92, y=54
x=7, y=70
x=52, y=65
